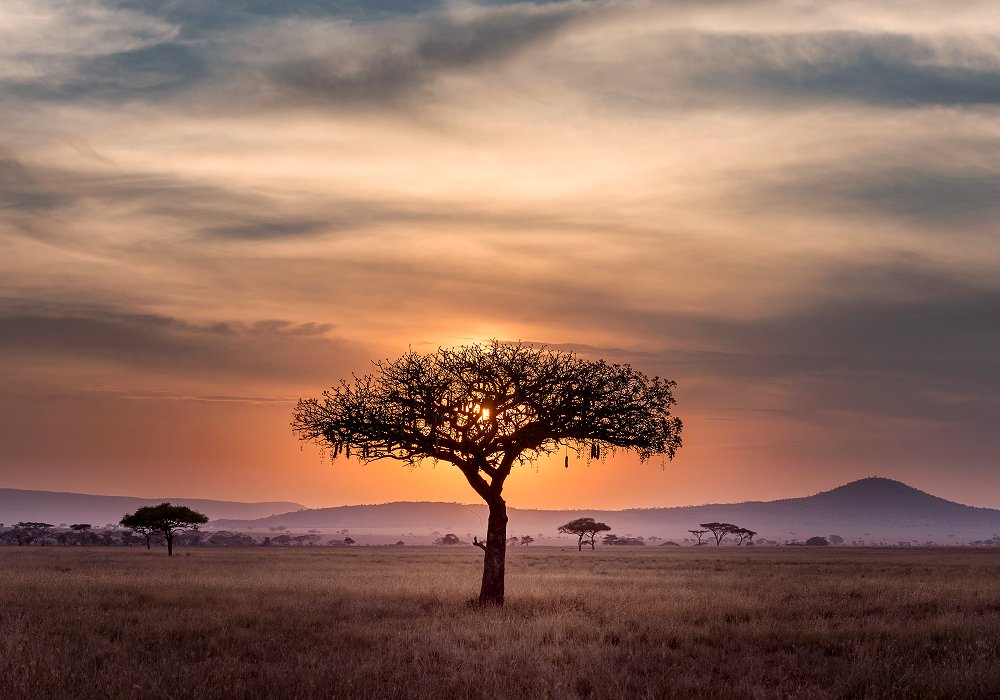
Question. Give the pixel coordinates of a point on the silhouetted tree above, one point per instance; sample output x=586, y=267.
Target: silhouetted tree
x=348, y=541
x=485, y=409
x=719, y=530
x=526, y=540
x=226, y=538
x=625, y=540
x=585, y=529
x=449, y=539
x=83, y=529
x=512, y=540
x=699, y=534
x=835, y=539
x=744, y=535
x=817, y=542
x=28, y=532
x=165, y=519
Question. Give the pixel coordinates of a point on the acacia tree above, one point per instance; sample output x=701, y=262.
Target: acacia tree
x=699, y=534
x=165, y=519
x=744, y=535
x=719, y=530
x=83, y=529
x=28, y=532
x=486, y=409
x=585, y=529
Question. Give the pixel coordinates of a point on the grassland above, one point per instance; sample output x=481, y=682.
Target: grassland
x=388, y=622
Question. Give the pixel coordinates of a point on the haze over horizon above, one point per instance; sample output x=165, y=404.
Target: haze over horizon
x=207, y=212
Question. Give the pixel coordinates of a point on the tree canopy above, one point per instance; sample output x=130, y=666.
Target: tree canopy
x=487, y=408
x=165, y=519
x=585, y=529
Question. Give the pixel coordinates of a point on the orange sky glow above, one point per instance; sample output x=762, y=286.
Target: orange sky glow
x=789, y=208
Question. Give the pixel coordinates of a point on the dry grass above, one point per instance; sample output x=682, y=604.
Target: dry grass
x=373, y=622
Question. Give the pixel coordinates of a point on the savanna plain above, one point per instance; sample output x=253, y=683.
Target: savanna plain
x=401, y=623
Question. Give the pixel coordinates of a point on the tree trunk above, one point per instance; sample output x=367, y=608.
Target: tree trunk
x=491, y=592
x=170, y=545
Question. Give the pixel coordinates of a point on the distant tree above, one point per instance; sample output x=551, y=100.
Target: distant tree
x=625, y=540
x=512, y=540
x=744, y=535
x=449, y=539
x=348, y=541
x=817, y=542
x=226, y=538
x=165, y=519
x=277, y=528
x=82, y=529
x=282, y=540
x=401, y=544
x=699, y=534
x=486, y=409
x=719, y=530
x=194, y=538
x=526, y=540
x=835, y=539
x=145, y=530
x=585, y=529
x=127, y=538
x=28, y=532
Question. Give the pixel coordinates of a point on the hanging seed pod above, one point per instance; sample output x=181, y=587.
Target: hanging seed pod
x=567, y=461
x=597, y=450
x=347, y=451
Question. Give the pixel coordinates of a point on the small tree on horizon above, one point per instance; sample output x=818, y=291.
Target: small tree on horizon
x=83, y=529
x=586, y=530
x=720, y=530
x=486, y=409
x=699, y=534
x=165, y=519
x=28, y=532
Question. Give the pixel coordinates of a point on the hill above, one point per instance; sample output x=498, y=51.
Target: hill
x=59, y=507
x=873, y=509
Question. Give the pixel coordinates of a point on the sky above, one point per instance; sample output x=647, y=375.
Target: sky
x=211, y=209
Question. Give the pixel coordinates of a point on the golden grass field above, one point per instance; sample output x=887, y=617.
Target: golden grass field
x=399, y=622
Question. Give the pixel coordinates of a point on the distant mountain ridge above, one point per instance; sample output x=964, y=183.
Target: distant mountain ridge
x=871, y=507
x=62, y=507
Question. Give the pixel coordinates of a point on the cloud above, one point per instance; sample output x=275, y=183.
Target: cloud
x=20, y=191
x=259, y=351
x=683, y=69
x=384, y=62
